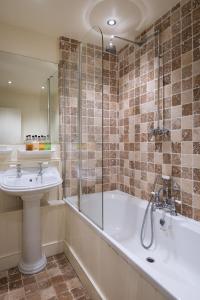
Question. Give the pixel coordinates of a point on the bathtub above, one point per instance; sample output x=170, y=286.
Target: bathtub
x=175, y=272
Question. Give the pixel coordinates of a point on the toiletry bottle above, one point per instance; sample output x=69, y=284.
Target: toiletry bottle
x=41, y=143
x=48, y=143
x=29, y=143
x=36, y=142
x=26, y=142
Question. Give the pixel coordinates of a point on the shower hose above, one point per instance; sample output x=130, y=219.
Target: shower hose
x=151, y=208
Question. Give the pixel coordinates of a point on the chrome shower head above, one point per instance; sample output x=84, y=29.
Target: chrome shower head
x=159, y=131
x=111, y=49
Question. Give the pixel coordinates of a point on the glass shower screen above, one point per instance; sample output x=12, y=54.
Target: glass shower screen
x=91, y=126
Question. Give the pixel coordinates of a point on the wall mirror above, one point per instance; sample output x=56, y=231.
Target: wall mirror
x=28, y=98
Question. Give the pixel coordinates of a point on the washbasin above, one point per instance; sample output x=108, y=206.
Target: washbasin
x=30, y=181
x=30, y=184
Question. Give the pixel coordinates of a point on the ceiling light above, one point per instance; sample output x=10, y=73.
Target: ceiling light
x=111, y=22
x=43, y=87
x=9, y=82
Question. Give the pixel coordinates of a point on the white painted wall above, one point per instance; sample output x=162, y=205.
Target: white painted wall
x=19, y=41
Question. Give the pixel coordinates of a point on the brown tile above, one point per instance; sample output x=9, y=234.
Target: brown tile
x=74, y=283
x=187, y=109
x=196, y=120
x=176, y=171
x=77, y=292
x=196, y=148
x=43, y=284
x=3, y=289
x=34, y=296
x=3, y=280
x=176, y=159
x=196, y=187
x=66, y=296
x=18, y=294
x=42, y=275
x=187, y=72
x=166, y=158
x=4, y=297
x=30, y=288
x=60, y=256
x=51, y=265
x=176, y=99
x=50, y=259
x=60, y=288
x=187, y=211
x=196, y=107
x=12, y=271
x=29, y=280
x=196, y=81
x=186, y=198
x=187, y=134
x=176, y=123
x=176, y=147
x=197, y=214
x=186, y=173
x=196, y=174
x=47, y=294
x=15, y=285
x=57, y=279
x=14, y=277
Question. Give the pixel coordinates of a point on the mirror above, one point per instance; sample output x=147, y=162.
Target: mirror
x=28, y=98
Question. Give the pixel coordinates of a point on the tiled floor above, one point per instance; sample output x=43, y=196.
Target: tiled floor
x=58, y=281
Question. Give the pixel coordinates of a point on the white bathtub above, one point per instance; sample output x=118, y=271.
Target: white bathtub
x=176, y=249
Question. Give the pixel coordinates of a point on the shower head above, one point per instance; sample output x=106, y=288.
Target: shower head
x=111, y=49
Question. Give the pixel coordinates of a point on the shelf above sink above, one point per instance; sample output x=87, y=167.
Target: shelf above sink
x=45, y=154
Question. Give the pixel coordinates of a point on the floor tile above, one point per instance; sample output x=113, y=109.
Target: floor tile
x=58, y=281
x=4, y=297
x=30, y=288
x=3, y=289
x=18, y=294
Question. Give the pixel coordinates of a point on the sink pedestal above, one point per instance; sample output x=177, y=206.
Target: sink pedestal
x=33, y=260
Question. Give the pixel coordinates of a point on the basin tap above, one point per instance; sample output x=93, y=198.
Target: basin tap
x=19, y=170
x=41, y=170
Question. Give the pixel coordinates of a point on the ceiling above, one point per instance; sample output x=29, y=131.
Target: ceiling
x=74, y=18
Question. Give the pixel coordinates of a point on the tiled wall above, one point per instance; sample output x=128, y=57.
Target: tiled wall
x=141, y=156
x=132, y=157
x=91, y=117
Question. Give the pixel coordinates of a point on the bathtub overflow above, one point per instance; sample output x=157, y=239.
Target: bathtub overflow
x=162, y=222
x=150, y=259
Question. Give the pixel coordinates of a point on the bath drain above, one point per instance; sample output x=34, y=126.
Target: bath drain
x=150, y=259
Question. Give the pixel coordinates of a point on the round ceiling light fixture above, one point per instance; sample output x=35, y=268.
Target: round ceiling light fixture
x=111, y=22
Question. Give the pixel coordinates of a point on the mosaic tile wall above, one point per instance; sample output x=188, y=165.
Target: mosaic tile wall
x=132, y=158
x=142, y=157
x=91, y=117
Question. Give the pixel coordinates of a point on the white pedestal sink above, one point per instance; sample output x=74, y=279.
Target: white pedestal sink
x=31, y=187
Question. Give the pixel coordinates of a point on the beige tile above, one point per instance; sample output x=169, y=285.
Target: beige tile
x=186, y=148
